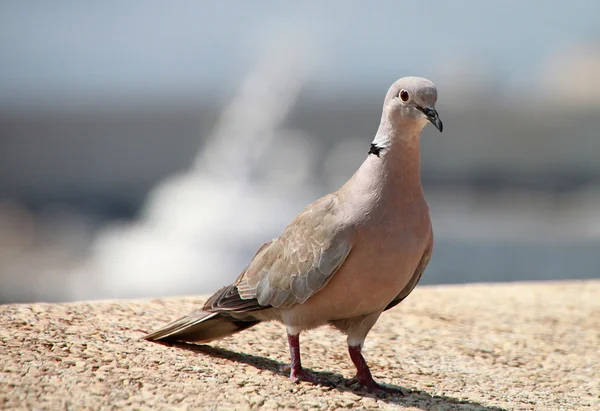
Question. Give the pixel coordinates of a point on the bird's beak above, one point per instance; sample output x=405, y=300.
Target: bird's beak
x=433, y=116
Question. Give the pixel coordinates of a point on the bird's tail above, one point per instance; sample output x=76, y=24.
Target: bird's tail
x=201, y=327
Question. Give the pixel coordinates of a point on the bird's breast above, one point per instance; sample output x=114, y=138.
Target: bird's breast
x=382, y=261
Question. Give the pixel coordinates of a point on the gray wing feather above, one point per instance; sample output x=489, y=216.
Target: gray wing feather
x=302, y=260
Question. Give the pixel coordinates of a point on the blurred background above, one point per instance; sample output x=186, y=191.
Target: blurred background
x=148, y=149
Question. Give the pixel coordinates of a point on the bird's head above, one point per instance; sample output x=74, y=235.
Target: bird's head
x=411, y=101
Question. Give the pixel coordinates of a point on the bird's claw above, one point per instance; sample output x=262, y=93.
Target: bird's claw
x=372, y=387
x=297, y=375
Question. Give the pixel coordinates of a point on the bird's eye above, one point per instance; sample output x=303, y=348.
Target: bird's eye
x=404, y=95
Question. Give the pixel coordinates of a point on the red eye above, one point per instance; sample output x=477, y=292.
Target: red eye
x=404, y=95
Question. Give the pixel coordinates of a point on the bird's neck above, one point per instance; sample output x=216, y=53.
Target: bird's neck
x=395, y=156
x=393, y=176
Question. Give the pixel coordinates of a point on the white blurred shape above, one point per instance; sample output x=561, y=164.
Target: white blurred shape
x=197, y=227
x=248, y=125
x=289, y=161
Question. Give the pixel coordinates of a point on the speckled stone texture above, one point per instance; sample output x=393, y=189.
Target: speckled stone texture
x=521, y=346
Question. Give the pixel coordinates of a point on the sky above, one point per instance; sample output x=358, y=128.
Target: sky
x=72, y=50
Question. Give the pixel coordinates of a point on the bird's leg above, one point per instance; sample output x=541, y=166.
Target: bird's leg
x=297, y=373
x=357, y=329
x=363, y=374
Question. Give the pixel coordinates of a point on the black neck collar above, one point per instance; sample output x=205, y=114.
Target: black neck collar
x=375, y=149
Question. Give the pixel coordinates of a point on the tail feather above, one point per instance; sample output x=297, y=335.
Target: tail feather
x=200, y=327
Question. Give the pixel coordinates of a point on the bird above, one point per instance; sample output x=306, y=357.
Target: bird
x=347, y=257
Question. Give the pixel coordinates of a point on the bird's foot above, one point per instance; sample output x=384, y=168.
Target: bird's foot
x=297, y=373
x=300, y=374
x=364, y=379
x=369, y=385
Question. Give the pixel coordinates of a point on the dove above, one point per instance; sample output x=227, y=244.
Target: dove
x=347, y=257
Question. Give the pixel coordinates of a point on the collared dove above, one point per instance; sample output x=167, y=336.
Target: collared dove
x=347, y=257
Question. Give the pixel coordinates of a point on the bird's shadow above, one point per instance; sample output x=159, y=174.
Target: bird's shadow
x=405, y=397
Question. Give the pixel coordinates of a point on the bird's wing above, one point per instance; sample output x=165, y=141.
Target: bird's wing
x=293, y=267
x=414, y=279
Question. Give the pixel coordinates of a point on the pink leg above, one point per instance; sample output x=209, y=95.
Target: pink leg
x=298, y=373
x=363, y=374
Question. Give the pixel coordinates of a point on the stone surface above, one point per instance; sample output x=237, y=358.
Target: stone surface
x=525, y=346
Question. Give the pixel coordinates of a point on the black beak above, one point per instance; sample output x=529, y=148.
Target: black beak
x=433, y=117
